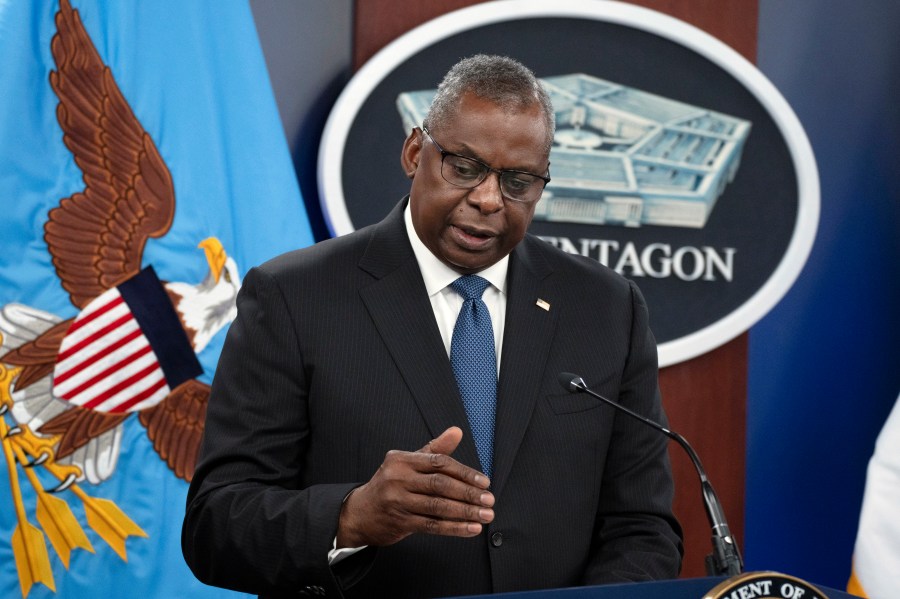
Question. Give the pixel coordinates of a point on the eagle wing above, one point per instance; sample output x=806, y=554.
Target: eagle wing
x=97, y=236
x=77, y=426
x=38, y=356
x=175, y=426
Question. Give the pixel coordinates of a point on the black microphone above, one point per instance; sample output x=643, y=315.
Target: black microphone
x=725, y=559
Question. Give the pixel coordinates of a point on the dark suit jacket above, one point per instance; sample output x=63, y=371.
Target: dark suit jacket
x=335, y=358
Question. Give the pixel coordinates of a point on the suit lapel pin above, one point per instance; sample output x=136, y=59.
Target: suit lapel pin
x=543, y=304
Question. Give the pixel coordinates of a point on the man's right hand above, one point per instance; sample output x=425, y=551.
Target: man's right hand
x=425, y=491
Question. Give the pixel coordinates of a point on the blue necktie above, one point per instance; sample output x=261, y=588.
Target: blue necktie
x=474, y=362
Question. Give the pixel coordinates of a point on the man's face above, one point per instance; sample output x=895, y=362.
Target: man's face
x=471, y=229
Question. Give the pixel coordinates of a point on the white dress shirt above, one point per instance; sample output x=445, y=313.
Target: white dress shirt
x=446, y=302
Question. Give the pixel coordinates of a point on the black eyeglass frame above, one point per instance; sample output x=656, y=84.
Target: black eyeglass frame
x=488, y=169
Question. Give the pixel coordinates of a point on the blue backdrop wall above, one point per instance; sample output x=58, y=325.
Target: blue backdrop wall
x=824, y=367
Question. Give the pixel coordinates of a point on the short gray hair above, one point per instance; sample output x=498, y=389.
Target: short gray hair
x=499, y=79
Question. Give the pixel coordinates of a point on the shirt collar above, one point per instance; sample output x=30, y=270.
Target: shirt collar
x=438, y=275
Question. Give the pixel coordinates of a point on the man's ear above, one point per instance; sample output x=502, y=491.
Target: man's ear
x=412, y=149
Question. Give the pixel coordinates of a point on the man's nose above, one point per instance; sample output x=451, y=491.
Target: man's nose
x=487, y=195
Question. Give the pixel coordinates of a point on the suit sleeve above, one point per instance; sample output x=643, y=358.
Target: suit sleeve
x=249, y=525
x=636, y=536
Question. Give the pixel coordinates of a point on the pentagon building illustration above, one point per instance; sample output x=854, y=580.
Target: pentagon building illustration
x=622, y=156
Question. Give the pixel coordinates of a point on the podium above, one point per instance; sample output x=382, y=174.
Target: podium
x=688, y=588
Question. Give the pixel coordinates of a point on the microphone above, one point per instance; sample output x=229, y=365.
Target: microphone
x=725, y=559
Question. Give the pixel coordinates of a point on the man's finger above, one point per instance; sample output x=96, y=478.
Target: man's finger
x=446, y=443
x=447, y=528
x=441, y=508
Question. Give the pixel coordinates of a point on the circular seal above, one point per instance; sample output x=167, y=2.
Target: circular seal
x=764, y=585
x=676, y=162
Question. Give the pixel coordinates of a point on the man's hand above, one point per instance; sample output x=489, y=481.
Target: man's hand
x=423, y=491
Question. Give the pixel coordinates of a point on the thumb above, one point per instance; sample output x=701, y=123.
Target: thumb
x=446, y=443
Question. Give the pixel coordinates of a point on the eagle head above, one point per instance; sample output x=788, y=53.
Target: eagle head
x=209, y=306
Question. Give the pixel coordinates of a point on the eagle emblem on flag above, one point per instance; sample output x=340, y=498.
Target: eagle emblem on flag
x=67, y=386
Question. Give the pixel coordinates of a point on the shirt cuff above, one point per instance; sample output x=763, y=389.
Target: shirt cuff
x=336, y=555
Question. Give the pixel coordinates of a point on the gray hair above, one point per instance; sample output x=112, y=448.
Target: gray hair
x=501, y=80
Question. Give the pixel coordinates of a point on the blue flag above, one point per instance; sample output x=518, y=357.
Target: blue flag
x=143, y=170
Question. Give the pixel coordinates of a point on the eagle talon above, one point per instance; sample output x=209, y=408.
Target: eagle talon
x=41, y=459
x=70, y=480
x=16, y=430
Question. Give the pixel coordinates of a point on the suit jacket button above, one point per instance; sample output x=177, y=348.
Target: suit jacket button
x=497, y=539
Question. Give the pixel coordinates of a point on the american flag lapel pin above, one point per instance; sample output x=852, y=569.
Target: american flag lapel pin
x=544, y=304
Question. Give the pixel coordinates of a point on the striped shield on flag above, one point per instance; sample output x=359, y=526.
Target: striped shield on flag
x=126, y=350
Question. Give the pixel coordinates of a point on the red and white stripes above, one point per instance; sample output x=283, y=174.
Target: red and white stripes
x=105, y=362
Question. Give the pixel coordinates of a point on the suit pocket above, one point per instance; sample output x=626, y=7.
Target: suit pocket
x=571, y=403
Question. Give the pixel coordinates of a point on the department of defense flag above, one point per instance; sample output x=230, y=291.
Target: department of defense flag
x=143, y=170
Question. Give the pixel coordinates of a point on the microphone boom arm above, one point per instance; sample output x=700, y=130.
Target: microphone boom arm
x=725, y=559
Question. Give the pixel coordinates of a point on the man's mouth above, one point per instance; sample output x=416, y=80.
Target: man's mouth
x=471, y=238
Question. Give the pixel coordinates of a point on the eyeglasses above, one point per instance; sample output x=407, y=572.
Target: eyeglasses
x=468, y=173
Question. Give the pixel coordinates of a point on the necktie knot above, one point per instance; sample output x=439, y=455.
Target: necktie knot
x=471, y=287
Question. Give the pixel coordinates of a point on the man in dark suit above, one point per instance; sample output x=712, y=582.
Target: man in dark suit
x=346, y=447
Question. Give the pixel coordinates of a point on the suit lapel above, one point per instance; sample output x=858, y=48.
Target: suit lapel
x=527, y=335
x=398, y=304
